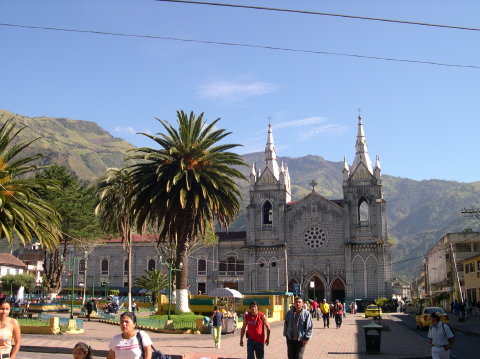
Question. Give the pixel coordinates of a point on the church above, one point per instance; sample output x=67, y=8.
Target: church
x=314, y=246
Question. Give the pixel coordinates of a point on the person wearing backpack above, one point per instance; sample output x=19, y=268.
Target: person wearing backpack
x=440, y=337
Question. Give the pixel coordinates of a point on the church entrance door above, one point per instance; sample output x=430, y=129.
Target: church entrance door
x=338, y=290
x=316, y=288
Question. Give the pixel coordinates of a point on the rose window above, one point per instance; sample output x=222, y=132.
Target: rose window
x=314, y=237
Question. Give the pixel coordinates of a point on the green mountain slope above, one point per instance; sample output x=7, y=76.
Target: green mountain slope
x=83, y=147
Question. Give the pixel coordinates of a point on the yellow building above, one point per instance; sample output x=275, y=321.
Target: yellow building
x=471, y=268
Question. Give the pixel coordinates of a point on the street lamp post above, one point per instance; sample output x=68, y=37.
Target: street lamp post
x=73, y=283
x=170, y=269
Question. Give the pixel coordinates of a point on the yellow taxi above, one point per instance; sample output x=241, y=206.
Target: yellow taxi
x=423, y=319
x=373, y=311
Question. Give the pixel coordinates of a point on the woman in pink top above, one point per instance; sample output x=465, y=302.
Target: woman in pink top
x=9, y=332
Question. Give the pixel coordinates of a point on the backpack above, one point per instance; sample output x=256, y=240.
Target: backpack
x=156, y=354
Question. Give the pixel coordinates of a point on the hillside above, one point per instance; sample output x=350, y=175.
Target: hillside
x=83, y=147
x=419, y=212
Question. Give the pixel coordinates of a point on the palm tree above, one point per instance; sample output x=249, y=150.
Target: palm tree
x=115, y=212
x=23, y=214
x=154, y=281
x=185, y=186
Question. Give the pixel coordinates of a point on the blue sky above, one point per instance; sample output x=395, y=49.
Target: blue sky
x=421, y=120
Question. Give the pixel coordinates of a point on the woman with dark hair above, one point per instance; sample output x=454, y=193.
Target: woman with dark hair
x=82, y=350
x=9, y=332
x=130, y=344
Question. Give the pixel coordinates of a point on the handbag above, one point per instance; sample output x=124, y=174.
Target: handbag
x=156, y=354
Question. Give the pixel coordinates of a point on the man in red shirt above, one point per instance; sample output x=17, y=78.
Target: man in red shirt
x=315, y=309
x=254, y=323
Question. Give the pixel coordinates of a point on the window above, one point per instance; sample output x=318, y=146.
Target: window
x=125, y=267
x=151, y=264
x=201, y=267
x=267, y=213
x=363, y=212
x=466, y=268
x=81, y=266
x=105, y=266
x=478, y=266
x=314, y=237
x=231, y=267
x=202, y=288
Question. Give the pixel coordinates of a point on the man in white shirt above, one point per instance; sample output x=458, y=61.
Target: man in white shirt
x=440, y=337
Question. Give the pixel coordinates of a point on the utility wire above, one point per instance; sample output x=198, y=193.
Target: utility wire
x=237, y=44
x=403, y=22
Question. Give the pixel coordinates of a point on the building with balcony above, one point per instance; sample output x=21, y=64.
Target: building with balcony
x=445, y=276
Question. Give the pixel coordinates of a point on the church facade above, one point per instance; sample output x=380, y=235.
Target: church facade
x=316, y=247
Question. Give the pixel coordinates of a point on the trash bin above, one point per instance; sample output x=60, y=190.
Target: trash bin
x=373, y=336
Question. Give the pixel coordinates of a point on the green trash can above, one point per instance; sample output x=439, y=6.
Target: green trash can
x=373, y=336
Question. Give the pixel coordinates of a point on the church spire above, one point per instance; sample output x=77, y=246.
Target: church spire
x=361, y=150
x=271, y=155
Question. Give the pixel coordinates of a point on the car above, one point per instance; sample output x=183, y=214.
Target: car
x=373, y=311
x=424, y=320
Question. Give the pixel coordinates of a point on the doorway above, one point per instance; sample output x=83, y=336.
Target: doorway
x=316, y=288
x=338, y=290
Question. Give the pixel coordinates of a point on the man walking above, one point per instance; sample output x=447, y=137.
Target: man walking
x=217, y=323
x=254, y=323
x=440, y=337
x=338, y=311
x=325, y=309
x=297, y=329
x=91, y=307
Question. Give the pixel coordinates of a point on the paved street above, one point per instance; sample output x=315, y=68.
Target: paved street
x=399, y=341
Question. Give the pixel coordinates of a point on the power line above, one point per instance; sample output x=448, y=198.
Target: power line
x=305, y=12
x=237, y=44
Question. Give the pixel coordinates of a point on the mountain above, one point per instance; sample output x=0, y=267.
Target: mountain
x=419, y=212
x=83, y=147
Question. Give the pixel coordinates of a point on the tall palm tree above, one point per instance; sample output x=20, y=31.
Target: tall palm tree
x=153, y=281
x=114, y=209
x=23, y=214
x=185, y=186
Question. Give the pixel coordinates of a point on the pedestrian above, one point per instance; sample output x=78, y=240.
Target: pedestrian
x=332, y=313
x=325, y=309
x=91, y=307
x=315, y=309
x=82, y=350
x=217, y=321
x=128, y=344
x=254, y=324
x=344, y=310
x=456, y=308
x=338, y=309
x=440, y=337
x=297, y=329
x=9, y=332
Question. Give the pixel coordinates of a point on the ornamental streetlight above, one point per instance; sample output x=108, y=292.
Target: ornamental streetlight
x=170, y=269
x=73, y=282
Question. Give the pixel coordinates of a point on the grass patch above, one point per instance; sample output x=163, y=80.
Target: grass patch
x=180, y=317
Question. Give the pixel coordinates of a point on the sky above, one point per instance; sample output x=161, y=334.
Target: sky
x=420, y=119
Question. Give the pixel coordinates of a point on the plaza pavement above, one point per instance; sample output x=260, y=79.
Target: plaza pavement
x=398, y=342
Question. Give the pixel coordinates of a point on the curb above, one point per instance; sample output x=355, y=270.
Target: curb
x=61, y=350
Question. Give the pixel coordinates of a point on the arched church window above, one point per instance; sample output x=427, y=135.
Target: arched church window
x=81, y=266
x=151, y=264
x=231, y=264
x=201, y=267
x=267, y=213
x=105, y=266
x=125, y=267
x=363, y=212
x=314, y=237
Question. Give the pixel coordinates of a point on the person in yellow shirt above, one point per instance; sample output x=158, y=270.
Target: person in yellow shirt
x=325, y=309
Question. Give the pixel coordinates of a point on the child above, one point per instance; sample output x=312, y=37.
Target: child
x=82, y=351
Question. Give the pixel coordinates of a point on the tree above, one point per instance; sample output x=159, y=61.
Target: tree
x=12, y=283
x=153, y=281
x=114, y=208
x=184, y=186
x=75, y=201
x=23, y=214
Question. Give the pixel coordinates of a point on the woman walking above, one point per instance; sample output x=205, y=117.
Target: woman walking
x=130, y=344
x=217, y=322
